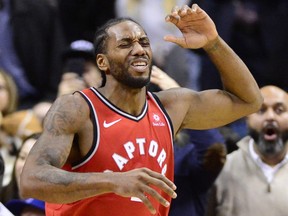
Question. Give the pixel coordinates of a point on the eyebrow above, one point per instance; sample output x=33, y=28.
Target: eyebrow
x=279, y=104
x=129, y=38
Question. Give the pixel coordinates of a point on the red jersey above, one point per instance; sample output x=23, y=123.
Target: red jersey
x=123, y=142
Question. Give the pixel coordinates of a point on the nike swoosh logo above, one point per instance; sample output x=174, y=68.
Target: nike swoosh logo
x=107, y=125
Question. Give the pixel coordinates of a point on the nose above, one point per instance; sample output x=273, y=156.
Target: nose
x=138, y=49
x=270, y=114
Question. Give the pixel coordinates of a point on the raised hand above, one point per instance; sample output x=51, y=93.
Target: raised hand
x=197, y=27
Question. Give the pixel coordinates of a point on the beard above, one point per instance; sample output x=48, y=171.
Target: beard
x=269, y=148
x=134, y=82
x=127, y=79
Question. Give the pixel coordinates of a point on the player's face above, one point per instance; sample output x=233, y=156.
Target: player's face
x=269, y=126
x=129, y=54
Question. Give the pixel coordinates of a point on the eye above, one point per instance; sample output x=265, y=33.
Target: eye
x=262, y=110
x=125, y=45
x=279, y=110
x=145, y=42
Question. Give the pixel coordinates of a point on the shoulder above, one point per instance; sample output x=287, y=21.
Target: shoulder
x=71, y=110
x=236, y=160
x=70, y=103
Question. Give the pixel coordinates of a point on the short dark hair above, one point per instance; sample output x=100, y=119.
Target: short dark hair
x=101, y=34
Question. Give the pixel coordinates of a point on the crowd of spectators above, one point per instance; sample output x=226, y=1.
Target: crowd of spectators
x=42, y=42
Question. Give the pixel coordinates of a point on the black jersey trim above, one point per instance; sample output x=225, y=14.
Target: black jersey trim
x=95, y=141
x=118, y=110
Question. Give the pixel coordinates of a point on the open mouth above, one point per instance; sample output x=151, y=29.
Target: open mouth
x=140, y=65
x=270, y=133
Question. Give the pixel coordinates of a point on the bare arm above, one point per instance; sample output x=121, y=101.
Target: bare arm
x=42, y=177
x=211, y=108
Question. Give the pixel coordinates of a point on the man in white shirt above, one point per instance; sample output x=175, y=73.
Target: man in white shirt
x=254, y=179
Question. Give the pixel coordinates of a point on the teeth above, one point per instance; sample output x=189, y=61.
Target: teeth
x=139, y=64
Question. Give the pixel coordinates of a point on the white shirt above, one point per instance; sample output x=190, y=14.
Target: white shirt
x=268, y=170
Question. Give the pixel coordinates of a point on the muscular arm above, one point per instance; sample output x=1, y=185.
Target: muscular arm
x=212, y=108
x=43, y=179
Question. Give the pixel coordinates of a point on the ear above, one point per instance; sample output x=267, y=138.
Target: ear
x=102, y=62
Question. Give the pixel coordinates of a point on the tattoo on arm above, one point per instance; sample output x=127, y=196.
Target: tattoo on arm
x=63, y=117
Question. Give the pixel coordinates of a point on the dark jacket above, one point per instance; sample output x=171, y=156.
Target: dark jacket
x=39, y=43
x=197, y=165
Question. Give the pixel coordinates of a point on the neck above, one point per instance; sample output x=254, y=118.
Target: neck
x=129, y=100
x=271, y=160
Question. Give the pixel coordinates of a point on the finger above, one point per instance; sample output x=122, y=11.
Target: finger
x=147, y=203
x=161, y=182
x=164, y=186
x=173, y=17
x=175, y=10
x=69, y=75
x=161, y=177
x=184, y=10
x=153, y=193
x=195, y=8
x=177, y=40
x=157, y=72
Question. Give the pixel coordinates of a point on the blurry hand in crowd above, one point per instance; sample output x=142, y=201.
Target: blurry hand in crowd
x=161, y=79
x=69, y=83
x=91, y=75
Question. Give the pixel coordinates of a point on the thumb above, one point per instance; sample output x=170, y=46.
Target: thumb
x=177, y=40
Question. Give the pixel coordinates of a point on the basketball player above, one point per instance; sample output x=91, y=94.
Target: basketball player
x=108, y=150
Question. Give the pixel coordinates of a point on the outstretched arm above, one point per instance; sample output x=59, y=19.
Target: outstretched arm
x=211, y=108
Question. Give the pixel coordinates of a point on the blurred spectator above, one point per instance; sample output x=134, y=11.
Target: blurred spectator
x=11, y=191
x=15, y=125
x=8, y=94
x=40, y=109
x=254, y=178
x=257, y=31
x=79, y=68
x=8, y=105
x=28, y=207
x=80, y=19
x=198, y=161
x=259, y=36
x=15, y=128
x=31, y=42
x=2, y=168
x=20, y=125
